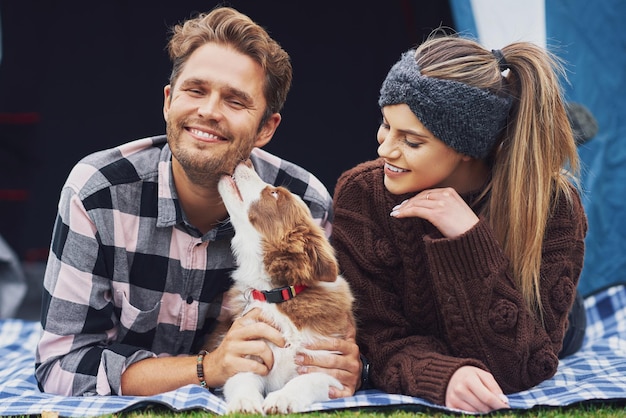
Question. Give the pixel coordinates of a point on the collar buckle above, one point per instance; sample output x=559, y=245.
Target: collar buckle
x=278, y=295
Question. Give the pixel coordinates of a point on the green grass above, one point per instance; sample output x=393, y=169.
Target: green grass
x=594, y=410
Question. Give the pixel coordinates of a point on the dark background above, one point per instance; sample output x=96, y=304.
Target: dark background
x=80, y=76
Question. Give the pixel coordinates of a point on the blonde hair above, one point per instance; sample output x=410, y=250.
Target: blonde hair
x=534, y=162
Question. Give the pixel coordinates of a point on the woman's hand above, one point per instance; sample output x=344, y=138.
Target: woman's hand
x=474, y=390
x=443, y=208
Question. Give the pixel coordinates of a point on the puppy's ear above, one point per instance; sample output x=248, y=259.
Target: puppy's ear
x=302, y=256
x=320, y=251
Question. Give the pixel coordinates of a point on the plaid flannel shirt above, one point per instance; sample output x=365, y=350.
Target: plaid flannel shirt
x=127, y=277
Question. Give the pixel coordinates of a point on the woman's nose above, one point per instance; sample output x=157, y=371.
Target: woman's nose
x=387, y=148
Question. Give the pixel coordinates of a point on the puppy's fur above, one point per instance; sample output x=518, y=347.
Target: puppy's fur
x=277, y=244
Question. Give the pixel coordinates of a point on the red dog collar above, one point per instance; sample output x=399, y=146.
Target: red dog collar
x=279, y=294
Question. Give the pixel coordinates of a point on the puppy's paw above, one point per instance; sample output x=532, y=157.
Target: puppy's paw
x=300, y=393
x=244, y=393
x=250, y=404
x=283, y=402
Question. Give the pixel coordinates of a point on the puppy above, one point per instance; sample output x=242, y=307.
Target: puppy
x=287, y=268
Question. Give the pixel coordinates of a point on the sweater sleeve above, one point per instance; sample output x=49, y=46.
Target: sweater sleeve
x=483, y=310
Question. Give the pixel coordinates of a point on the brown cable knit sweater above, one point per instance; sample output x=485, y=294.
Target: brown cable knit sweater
x=427, y=305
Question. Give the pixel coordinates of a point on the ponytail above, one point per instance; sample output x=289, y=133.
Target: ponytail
x=528, y=174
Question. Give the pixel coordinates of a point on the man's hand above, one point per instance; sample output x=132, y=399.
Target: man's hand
x=343, y=363
x=244, y=349
x=474, y=390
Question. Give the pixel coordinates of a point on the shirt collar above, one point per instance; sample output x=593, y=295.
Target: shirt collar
x=170, y=212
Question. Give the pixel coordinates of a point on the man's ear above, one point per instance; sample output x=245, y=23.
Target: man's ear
x=167, y=99
x=267, y=131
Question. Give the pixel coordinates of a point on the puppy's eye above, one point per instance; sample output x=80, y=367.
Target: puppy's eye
x=275, y=194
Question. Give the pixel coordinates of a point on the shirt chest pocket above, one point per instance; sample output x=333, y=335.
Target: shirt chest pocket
x=134, y=319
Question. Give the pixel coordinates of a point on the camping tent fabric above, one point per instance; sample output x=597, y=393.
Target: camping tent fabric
x=596, y=373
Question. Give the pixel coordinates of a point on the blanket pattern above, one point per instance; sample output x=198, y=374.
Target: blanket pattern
x=596, y=373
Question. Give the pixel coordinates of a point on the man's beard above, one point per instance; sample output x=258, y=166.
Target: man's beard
x=200, y=166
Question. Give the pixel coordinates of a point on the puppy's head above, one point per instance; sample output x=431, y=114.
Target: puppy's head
x=238, y=192
x=295, y=249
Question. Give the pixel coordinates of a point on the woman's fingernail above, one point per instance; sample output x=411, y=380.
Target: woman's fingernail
x=396, y=207
x=299, y=359
x=504, y=398
x=394, y=213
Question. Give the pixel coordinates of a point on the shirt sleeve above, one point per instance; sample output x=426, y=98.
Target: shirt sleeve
x=77, y=354
x=322, y=206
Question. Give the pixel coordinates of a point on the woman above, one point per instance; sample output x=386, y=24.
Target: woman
x=464, y=241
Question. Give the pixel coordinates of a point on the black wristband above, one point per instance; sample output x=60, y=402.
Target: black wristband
x=365, y=373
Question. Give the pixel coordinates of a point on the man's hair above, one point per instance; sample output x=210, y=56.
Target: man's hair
x=227, y=26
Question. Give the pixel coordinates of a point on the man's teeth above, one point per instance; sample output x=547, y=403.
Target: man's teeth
x=202, y=134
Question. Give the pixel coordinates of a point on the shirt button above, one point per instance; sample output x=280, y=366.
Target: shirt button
x=189, y=299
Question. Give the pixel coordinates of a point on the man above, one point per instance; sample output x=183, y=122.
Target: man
x=140, y=254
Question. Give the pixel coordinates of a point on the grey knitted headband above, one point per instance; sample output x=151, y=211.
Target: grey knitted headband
x=466, y=118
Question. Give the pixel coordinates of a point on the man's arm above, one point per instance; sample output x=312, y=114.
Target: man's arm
x=247, y=337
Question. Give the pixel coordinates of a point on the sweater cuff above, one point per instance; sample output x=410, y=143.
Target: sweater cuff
x=473, y=255
x=435, y=378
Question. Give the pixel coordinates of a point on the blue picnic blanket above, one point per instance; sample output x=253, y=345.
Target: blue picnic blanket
x=596, y=372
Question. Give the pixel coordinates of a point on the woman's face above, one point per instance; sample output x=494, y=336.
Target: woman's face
x=414, y=158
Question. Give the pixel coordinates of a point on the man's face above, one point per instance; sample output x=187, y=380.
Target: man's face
x=213, y=113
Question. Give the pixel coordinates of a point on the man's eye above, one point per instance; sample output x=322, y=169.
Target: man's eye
x=236, y=103
x=195, y=92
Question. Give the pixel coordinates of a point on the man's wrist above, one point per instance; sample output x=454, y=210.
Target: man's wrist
x=200, y=368
x=365, y=373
